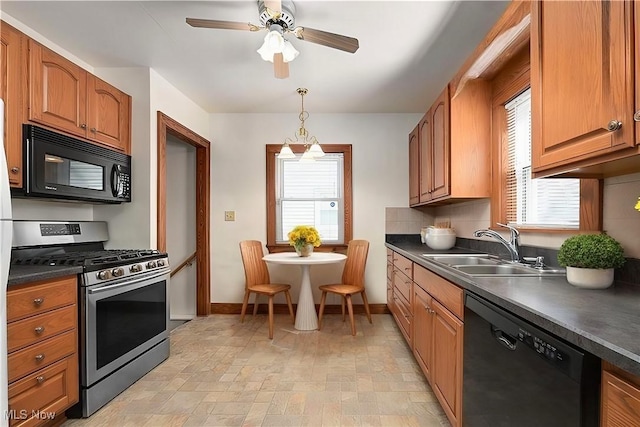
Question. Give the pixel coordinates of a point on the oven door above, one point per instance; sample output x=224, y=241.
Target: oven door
x=122, y=321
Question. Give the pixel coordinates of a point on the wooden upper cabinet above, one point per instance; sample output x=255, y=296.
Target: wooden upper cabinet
x=57, y=91
x=66, y=97
x=440, y=146
x=414, y=167
x=425, y=157
x=12, y=48
x=108, y=112
x=582, y=81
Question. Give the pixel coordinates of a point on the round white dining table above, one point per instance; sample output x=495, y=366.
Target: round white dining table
x=306, y=317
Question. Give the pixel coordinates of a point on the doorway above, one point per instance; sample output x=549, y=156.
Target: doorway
x=170, y=129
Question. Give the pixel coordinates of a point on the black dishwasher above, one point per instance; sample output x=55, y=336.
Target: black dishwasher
x=517, y=375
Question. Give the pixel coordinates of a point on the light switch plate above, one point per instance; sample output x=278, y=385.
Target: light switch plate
x=229, y=215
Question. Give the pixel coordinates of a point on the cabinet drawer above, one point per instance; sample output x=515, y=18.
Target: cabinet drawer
x=403, y=316
x=39, y=298
x=47, y=391
x=389, y=256
x=449, y=295
x=34, y=357
x=389, y=271
x=402, y=284
x=38, y=328
x=404, y=265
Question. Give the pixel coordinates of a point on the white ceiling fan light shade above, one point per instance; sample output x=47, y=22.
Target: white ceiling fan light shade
x=273, y=43
x=289, y=52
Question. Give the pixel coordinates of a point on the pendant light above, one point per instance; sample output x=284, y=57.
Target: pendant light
x=312, y=148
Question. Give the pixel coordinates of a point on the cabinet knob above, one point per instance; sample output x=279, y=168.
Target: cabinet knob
x=38, y=301
x=39, y=330
x=83, y=126
x=15, y=169
x=40, y=379
x=614, y=125
x=39, y=357
x=93, y=130
x=636, y=116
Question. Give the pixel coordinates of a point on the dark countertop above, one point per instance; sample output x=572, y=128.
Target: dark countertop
x=19, y=274
x=604, y=322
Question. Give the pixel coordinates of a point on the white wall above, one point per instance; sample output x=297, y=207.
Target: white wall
x=181, y=226
x=380, y=179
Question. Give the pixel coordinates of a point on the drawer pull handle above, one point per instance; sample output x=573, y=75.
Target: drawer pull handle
x=38, y=301
x=39, y=330
x=39, y=357
x=407, y=268
x=40, y=379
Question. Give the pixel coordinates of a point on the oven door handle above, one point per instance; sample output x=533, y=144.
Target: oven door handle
x=128, y=283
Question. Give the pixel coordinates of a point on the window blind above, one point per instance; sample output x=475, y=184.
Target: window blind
x=311, y=193
x=545, y=203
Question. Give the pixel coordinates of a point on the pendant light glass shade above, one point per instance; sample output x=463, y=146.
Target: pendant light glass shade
x=307, y=156
x=316, y=150
x=286, y=153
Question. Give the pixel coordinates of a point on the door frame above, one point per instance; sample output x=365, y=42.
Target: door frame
x=169, y=126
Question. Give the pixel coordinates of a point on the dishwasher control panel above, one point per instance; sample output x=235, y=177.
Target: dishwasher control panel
x=543, y=348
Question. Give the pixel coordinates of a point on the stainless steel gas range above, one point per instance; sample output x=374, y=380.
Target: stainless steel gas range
x=123, y=303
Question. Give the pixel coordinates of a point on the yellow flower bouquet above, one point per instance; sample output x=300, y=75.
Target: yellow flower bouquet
x=638, y=204
x=303, y=235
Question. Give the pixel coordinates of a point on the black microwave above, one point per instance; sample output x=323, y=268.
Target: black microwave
x=57, y=166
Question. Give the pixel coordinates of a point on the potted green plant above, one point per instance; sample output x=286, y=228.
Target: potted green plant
x=590, y=260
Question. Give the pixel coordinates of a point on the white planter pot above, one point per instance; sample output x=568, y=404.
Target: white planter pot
x=590, y=278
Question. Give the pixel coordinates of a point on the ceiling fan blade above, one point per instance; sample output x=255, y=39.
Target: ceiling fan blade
x=280, y=68
x=274, y=5
x=222, y=25
x=336, y=41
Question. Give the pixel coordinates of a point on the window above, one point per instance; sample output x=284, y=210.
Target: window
x=311, y=193
x=544, y=203
x=540, y=205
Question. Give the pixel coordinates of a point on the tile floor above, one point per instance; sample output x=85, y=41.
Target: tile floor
x=224, y=373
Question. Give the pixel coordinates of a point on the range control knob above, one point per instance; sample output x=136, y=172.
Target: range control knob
x=135, y=268
x=104, y=274
x=151, y=264
x=117, y=272
x=160, y=263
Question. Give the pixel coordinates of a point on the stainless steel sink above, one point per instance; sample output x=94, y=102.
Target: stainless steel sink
x=466, y=260
x=508, y=270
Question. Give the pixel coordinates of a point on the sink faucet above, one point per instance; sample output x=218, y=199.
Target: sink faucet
x=513, y=245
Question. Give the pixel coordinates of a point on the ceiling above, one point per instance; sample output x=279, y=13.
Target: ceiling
x=408, y=50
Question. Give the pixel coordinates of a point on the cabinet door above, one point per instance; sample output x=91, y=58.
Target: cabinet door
x=108, y=114
x=440, y=143
x=423, y=330
x=581, y=80
x=636, y=116
x=414, y=167
x=12, y=49
x=620, y=401
x=447, y=362
x=57, y=91
x=425, y=157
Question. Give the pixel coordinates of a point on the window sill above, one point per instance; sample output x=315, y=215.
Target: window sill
x=322, y=248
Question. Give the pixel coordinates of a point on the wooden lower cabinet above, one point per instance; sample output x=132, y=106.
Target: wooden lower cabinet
x=620, y=398
x=447, y=362
x=423, y=330
x=42, y=341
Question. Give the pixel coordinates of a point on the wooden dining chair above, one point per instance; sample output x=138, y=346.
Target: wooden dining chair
x=352, y=282
x=257, y=281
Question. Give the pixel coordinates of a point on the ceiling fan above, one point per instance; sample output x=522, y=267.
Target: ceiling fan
x=278, y=17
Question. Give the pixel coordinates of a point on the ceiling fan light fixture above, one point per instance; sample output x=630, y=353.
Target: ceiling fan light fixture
x=274, y=42
x=289, y=52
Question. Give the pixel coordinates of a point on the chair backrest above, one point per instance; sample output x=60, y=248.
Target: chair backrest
x=353, y=273
x=255, y=269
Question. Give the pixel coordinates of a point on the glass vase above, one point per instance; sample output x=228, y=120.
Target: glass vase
x=304, y=250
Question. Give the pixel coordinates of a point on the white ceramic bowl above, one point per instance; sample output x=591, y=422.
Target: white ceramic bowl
x=441, y=238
